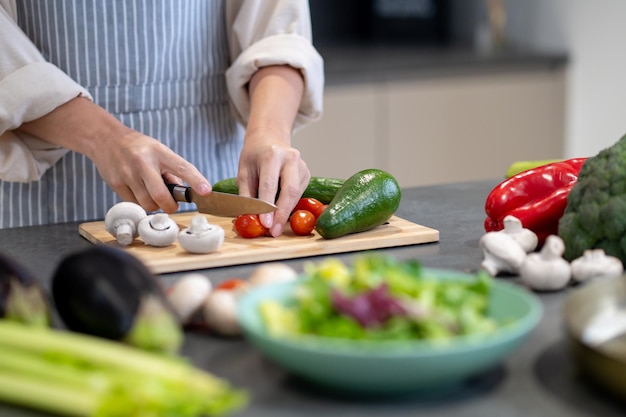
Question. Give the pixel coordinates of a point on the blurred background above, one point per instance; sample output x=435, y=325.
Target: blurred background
x=440, y=91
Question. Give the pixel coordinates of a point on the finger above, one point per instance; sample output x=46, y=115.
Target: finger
x=133, y=191
x=268, y=182
x=293, y=182
x=267, y=189
x=125, y=194
x=160, y=194
x=248, y=183
x=172, y=179
x=175, y=165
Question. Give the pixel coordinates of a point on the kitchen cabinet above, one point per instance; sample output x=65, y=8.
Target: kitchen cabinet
x=438, y=129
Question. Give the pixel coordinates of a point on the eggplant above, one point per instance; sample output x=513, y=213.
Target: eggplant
x=107, y=292
x=22, y=297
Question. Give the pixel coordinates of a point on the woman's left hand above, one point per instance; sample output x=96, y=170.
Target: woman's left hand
x=268, y=164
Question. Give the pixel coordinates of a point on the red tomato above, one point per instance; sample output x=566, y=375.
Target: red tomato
x=249, y=226
x=309, y=204
x=319, y=210
x=302, y=222
x=230, y=284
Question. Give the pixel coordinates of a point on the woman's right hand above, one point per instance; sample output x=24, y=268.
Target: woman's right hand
x=137, y=166
x=134, y=165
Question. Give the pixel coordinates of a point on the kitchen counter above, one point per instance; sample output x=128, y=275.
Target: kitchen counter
x=537, y=380
x=364, y=63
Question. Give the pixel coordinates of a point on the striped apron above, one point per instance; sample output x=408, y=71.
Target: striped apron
x=158, y=66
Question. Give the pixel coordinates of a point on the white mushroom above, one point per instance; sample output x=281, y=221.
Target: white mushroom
x=501, y=253
x=547, y=270
x=158, y=230
x=122, y=219
x=272, y=273
x=595, y=263
x=188, y=294
x=200, y=236
x=526, y=238
x=220, y=312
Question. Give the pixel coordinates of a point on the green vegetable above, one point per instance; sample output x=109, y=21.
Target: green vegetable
x=521, y=166
x=320, y=188
x=365, y=201
x=595, y=215
x=22, y=297
x=431, y=308
x=228, y=185
x=323, y=189
x=72, y=374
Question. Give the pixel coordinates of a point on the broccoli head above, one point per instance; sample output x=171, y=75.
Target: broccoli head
x=595, y=215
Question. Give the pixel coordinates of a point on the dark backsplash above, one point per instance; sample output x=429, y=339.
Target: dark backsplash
x=418, y=22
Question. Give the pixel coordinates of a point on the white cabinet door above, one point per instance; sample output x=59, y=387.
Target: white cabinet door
x=345, y=140
x=473, y=127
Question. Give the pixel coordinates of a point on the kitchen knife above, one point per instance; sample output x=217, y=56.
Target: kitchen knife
x=220, y=204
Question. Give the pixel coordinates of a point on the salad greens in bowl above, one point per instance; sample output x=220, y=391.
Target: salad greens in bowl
x=386, y=326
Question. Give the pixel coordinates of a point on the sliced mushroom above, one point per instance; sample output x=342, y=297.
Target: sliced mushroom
x=200, y=236
x=158, y=230
x=122, y=219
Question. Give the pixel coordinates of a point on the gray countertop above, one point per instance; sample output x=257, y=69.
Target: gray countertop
x=358, y=63
x=537, y=380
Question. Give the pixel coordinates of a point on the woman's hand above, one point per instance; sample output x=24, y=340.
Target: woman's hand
x=138, y=166
x=268, y=162
x=132, y=164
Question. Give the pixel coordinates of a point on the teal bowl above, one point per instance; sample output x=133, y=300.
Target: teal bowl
x=391, y=367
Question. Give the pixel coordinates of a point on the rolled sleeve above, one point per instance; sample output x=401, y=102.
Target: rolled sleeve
x=33, y=91
x=264, y=33
x=30, y=88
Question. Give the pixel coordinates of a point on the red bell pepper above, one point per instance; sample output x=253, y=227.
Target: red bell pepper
x=537, y=197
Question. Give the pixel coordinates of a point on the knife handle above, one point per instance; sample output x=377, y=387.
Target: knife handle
x=180, y=192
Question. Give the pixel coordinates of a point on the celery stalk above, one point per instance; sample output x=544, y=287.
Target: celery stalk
x=46, y=395
x=117, y=380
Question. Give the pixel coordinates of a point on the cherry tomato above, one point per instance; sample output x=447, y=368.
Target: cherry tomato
x=249, y=226
x=309, y=204
x=230, y=284
x=302, y=222
x=319, y=210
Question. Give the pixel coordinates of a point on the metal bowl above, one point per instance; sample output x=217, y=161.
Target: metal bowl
x=595, y=319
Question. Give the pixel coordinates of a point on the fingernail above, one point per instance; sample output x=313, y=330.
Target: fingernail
x=267, y=219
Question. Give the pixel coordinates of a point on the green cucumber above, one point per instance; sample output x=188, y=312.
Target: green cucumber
x=319, y=188
x=228, y=185
x=323, y=189
x=366, y=200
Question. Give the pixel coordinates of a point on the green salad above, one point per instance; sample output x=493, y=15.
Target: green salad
x=381, y=298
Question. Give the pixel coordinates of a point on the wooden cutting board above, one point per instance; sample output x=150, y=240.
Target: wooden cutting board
x=237, y=250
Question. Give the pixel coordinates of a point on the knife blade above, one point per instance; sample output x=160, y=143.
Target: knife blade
x=220, y=204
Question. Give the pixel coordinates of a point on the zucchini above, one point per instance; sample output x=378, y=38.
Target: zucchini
x=320, y=188
x=366, y=200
